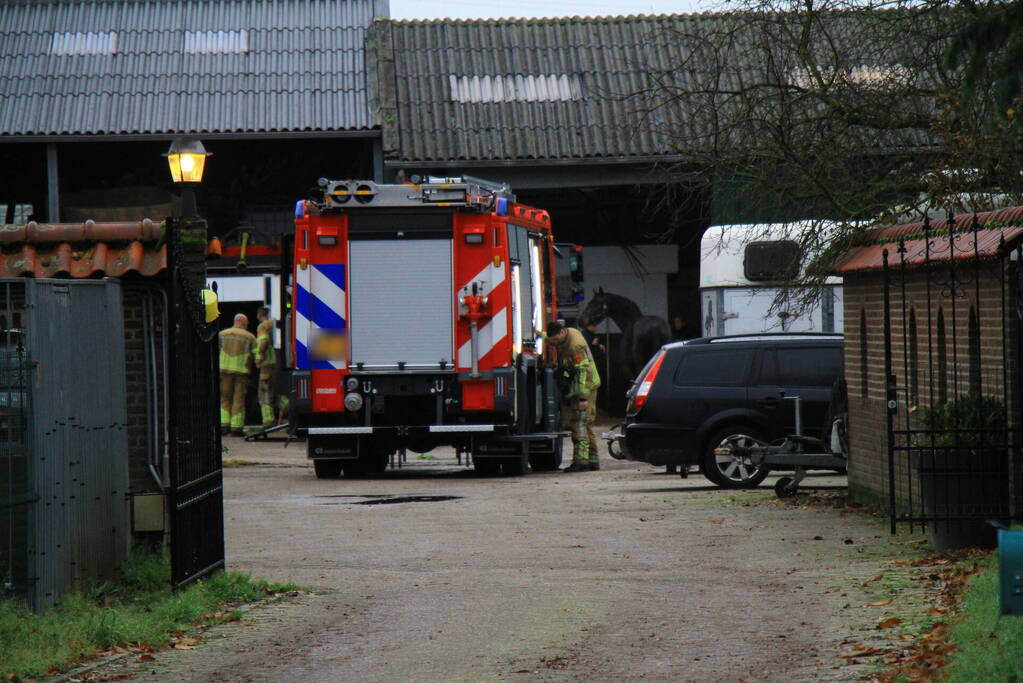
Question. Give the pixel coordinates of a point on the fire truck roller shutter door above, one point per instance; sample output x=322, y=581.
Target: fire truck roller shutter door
x=401, y=304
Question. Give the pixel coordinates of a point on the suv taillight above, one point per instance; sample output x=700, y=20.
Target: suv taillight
x=643, y=390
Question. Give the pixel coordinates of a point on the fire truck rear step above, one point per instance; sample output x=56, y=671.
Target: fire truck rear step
x=316, y=431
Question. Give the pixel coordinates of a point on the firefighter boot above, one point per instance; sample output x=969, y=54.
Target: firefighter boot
x=580, y=457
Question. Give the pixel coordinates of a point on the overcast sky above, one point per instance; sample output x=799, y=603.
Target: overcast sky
x=481, y=9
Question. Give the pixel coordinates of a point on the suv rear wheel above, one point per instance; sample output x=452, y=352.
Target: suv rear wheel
x=327, y=469
x=728, y=470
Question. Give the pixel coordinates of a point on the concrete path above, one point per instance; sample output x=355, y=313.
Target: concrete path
x=623, y=574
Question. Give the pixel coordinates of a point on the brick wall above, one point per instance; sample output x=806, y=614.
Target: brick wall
x=979, y=348
x=134, y=299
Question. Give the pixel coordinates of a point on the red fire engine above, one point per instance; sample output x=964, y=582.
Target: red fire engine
x=416, y=323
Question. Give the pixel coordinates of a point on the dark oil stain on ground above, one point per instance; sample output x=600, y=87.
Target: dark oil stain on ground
x=406, y=499
x=389, y=500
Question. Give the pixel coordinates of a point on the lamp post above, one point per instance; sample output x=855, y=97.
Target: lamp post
x=194, y=493
x=187, y=160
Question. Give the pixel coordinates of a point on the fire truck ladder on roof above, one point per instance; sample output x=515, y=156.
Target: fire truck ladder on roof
x=462, y=191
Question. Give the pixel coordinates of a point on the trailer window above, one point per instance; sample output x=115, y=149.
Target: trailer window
x=767, y=261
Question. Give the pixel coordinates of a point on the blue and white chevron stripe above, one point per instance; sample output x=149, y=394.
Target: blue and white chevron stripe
x=319, y=304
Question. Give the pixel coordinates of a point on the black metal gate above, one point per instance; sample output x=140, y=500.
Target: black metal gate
x=952, y=312
x=18, y=492
x=196, y=491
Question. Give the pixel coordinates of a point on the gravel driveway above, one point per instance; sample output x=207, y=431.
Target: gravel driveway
x=623, y=574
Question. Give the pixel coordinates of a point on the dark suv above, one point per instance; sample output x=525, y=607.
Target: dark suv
x=692, y=396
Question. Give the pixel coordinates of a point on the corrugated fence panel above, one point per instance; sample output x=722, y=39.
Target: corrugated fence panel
x=75, y=331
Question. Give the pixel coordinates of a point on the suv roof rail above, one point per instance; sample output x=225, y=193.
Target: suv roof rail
x=761, y=336
x=779, y=336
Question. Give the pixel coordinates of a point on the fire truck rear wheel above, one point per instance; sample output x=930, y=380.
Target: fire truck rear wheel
x=546, y=462
x=377, y=463
x=327, y=469
x=487, y=467
x=515, y=467
x=541, y=463
x=354, y=468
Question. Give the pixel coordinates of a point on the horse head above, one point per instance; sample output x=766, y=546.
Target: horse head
x=607, y=305
x=596, y=310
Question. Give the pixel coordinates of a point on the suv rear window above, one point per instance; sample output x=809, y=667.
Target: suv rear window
x=802, y=366
x=714, y=367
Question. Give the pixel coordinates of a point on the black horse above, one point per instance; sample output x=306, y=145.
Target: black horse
x=642, y=335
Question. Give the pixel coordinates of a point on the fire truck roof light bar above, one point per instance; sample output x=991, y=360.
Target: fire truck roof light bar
x=463, y=191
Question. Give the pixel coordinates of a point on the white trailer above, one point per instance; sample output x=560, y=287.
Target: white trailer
x=745, y=276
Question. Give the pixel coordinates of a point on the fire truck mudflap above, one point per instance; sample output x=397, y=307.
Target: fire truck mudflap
x=417, y=319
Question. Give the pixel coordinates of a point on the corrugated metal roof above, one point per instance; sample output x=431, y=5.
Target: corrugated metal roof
x=81, y=250
x=996, y=232
x=454, y=91
x=301, y=66
x=421, y=65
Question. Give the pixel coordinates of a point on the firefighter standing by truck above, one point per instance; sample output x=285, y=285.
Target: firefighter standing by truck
x=579, y=380
x=266, y=360
x=236, y=346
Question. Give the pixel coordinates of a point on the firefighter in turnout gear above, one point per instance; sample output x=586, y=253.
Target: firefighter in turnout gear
x=578, y=380
x=266, y=360
x=236, y=347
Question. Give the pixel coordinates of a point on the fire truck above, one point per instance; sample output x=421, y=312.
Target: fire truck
x=416, y=320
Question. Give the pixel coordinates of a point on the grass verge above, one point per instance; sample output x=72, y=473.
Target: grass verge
x=138, y=612
x=988, y=646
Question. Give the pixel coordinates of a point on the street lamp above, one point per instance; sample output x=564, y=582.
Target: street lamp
x=187, y=159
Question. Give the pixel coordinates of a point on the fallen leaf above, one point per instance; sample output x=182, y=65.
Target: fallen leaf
x=182, y=646
x=147, y=658
x=936, y=611
x=880, y=603
x=862, y=651
x=888, y=623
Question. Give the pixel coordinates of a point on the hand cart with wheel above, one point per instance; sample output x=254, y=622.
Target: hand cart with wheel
x=615, y=438
x=799, y=452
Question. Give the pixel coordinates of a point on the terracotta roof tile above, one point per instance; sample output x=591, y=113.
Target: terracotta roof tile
x=82, y=250
x=996, y=230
